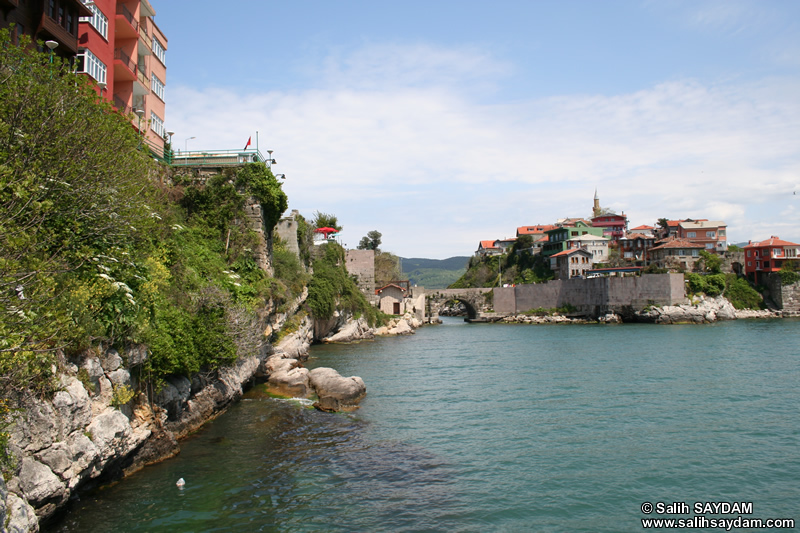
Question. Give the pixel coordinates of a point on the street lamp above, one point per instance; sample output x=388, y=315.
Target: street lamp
x=170, y=133
x=186, y=144
x=140, y=113
x=270, y=161
x=102, y=85
x=52, y=45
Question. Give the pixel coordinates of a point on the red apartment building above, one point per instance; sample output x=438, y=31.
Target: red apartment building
x=124, y=51
x=711, y=234
x=768, y=256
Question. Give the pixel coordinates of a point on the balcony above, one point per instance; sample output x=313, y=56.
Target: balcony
x=143, y=78
x=124, y=67
x=127, y=25
x=9, y=3
x=122, y=105
x=51, y=28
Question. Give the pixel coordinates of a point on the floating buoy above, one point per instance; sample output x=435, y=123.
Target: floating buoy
x=180, y=483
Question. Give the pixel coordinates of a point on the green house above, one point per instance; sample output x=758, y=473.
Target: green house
x=557, y=238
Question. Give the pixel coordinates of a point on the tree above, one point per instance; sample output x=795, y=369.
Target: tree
x=325, y=220
x=709, y=262
x=371, y=242
x=387, y=268
x=523, y=242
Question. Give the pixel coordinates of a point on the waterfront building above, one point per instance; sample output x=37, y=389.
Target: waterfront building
x=597, y=246
x=557, y=237
x=675, y=253
x=571, y=263
x=711, y=234
x=634, y=246
x=488, y=248
x=767, y=256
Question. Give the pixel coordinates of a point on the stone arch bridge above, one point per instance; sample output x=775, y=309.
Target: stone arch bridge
x=477, y=301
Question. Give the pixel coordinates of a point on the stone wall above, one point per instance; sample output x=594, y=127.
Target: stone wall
x=594, y=297
x=786, y=297
x=287, y=231
x=255, y=217
x=361, y=264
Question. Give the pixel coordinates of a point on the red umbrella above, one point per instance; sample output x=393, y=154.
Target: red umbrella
x=326, y=231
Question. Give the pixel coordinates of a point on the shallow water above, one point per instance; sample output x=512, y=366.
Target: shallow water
x=470, y=427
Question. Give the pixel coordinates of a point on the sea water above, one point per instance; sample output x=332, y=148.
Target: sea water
x=488, y=427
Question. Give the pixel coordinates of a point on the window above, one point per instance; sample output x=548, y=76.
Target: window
x=51, y=9
x=755, y=252
x=695, y=253
x=749, y=263
x=160, y=51
x=89, y=64
x=692, y=234
x=721, y=233
x=99, y=21
x=157, y=87
x=711, y=234
x=709, y=246
x=748, y=253
x=156, y=124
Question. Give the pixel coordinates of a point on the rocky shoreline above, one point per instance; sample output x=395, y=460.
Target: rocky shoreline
x=702, y=310
x=82, y=437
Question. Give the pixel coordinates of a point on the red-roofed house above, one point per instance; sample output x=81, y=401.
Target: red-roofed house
x=675, y=253
x=538, y=229
x=392, y=299
x=711, y=234
x=768, y=256
x=643, y=229
x=571, y=263
x=488, y=248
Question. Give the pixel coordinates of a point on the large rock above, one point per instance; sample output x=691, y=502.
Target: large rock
x=353, y=330
x=39, y=484
x=336, y=393
x=286, y=377
x=20, y=516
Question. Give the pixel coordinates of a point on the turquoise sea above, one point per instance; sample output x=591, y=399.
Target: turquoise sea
x=471, y=427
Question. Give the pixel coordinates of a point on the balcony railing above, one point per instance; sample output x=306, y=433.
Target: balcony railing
x=125, y=12
x=217, y=158
x=121, y=105
x=120, y=54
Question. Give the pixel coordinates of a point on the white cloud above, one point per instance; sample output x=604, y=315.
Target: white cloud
x=396, y=140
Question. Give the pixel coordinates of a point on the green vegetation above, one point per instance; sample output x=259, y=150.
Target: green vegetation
x=332, y=289
x=518, y=266
x=737, y=290
x=790, y=272
x=94, y=249
x=372, y=241
x=540, y=311
x=434, y=273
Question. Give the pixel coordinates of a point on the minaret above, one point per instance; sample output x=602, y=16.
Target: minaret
x=596, y=209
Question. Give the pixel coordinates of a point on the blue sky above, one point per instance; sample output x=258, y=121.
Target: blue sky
x=443, y=123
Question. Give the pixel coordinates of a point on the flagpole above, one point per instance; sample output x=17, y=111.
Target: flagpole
x=257, y=142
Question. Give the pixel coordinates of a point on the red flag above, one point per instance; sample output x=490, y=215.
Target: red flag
x=248, y=143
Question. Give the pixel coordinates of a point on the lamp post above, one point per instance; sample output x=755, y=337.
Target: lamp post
x=139, y=113
x=270, y=161
x=169, y=159
x=102, y=85
x=52, y=45
x=186, y=143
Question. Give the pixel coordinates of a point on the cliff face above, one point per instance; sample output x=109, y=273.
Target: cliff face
x=81, y=436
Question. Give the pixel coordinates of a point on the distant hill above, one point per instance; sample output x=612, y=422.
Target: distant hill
x=434, y=273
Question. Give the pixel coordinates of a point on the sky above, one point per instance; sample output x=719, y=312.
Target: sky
x=441, y=123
